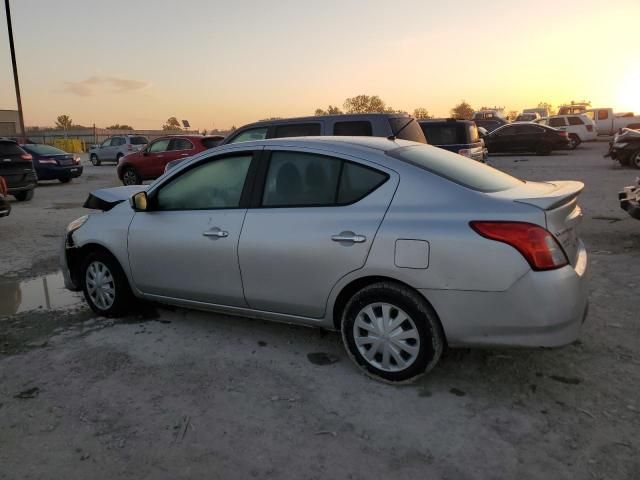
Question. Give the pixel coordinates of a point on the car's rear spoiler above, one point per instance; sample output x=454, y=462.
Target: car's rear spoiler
x=107, y=198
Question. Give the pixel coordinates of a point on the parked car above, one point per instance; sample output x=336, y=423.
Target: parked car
x=5, y=206
x=526, y=137
x=630, y=200
x=401, y=246
x=398, y=125
x=608, y=123
x=625, y=147
x=116, y=147
x=542, y=112
x=579, y=127
x=17, y=169
x=149, y=163
x=527, y=117
x=457, y=136
x=489, y=119
x=573, y=109
x=51, y=163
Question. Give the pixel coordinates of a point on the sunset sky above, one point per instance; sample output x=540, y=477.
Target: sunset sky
x=219, y=64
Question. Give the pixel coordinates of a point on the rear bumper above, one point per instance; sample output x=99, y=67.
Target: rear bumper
x=629, y=201
x=58, y=172
x=542, y=309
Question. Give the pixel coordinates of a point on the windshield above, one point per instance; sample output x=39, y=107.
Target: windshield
x=411, y=132
x=138, y=140
x=461, y=170
x=41, y=149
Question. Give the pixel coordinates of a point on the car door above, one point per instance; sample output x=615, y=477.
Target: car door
x=313, y=220
x=185, y=245
x=529, y=137
x=179, y=148
x=154, y=158
x=502, y=139
x=104, y=152
x=113, y=149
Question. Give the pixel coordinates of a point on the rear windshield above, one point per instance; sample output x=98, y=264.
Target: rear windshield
x=41, y=149
x=138, y=140
x=443, y=134
x=461, y=170
x=411, y=132
x=10, y=148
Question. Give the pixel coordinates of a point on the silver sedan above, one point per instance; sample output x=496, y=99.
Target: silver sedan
x=403, y=247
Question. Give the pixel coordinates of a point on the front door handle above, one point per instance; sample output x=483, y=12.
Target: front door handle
x=216, y=233
x=349, y=237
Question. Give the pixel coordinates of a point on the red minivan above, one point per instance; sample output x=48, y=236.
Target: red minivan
x=149, y=163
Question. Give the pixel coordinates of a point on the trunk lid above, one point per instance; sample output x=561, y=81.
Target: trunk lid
x=559, y=201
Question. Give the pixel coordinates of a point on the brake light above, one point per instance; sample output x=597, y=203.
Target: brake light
x=464, y=152
x=535, y=243
x=589, y=128
x=563, y=134
x=26, y=156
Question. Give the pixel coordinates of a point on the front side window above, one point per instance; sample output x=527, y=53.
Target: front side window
x=575, y=121
x=603, y=114
x=180, y=144
x=353, y=129
x=213, y=185
x=107, y=142
x=297, y=130
x=159, y=146
x=251, y=134
x=117, y=141
x=557, y=122
x=506, y=130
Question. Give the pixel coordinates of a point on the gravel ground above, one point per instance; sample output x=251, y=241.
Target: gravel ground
x=173, y=393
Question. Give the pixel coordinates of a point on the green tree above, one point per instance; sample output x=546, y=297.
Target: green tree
x=117, y=126
x=421, y=113
x=331, y=110
x=64, y=121
x=462, y=111
x=365, y=104
x=172, y=123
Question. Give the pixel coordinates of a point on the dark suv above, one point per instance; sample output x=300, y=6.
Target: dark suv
x=17, y=169
x=400, y=125
x=457, y=136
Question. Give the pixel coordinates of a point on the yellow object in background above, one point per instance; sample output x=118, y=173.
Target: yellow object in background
x=71, y=145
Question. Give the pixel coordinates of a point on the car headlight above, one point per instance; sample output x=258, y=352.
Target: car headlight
x=76, y=159
x=77, y=223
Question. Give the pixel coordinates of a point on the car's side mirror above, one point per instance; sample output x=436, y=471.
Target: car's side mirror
x=139, y=201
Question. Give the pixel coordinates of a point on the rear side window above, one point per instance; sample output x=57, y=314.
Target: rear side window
x=298, y=130
x=575, y=121
x=180, y=144
x=117, y=141
x=251, y=134
x=357, y=182
x=407, y=131
x=557, y=122
x=138, y=140
x=456, y=168
x=10, y=148
x=353, y=129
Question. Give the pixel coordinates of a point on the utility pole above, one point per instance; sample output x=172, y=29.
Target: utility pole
x=15, y=72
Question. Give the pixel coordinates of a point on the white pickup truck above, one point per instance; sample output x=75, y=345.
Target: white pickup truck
x=608, y=123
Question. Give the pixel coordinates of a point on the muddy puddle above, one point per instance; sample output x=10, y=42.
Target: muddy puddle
x=42, y=293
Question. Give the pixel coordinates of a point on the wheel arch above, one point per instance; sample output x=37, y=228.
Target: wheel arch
x=77, y=255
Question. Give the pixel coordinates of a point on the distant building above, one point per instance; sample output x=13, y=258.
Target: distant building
x=9, y=123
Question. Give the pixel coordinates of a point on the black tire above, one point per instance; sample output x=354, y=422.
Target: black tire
x=64, y=180
x=118, y=157
x=634, y=160
x=24, y=196
x=131, y=177
x=575, y=141
x=423, y=318
x=95, y=161
x=544, y=149
x=123, y=300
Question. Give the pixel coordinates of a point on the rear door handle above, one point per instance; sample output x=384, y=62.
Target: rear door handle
x=216, y=233
x=349, y=237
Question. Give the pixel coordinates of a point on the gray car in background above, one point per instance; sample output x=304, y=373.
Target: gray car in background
x=113, y=148
x=403, y=247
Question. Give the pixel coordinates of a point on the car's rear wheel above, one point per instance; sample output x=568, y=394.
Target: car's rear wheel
x=543, y=148
x=635, y=159
x=24, y=196
x=131, y=177
x=574, y=141
x=105, y=285
x=391, y=332
x=95, y=161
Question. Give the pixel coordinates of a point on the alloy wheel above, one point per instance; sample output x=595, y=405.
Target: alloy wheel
x=129, y=177
x=386, y=337
x=100, y=285
x=636, y=159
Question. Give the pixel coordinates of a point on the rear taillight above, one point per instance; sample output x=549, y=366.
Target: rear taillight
x=563, y=134
x=464, y=152
x=535, y=243
x=3, y=186
x=26, y=156
x=589, y=128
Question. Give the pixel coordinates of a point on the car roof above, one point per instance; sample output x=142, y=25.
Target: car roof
x=445, y=121
x=345, y=117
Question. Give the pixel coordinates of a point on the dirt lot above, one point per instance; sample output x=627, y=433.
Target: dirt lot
x=180, y=394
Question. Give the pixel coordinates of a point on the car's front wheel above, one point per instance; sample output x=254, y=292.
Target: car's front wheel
x=131, y=177
x=391, y=332
x=635, y=159
x=105, y=285
x=95, y=161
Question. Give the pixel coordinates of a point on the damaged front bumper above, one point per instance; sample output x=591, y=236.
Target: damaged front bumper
x=630, y=200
